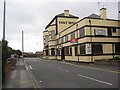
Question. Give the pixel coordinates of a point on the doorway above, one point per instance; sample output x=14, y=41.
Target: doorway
x=62, y=54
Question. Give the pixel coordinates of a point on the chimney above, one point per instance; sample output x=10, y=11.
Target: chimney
x=66, y=12
x=103, y=13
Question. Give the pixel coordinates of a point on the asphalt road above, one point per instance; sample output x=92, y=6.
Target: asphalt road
x=57, y=74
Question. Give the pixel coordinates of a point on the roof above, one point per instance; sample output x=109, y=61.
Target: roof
x=93, y=16
x=62, y=14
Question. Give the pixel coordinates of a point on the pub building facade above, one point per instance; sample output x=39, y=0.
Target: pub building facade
x=91, y=38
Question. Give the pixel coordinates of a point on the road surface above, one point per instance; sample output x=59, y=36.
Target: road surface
x=59, y=74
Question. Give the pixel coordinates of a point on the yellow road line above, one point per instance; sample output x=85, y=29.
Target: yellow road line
x=91, y=67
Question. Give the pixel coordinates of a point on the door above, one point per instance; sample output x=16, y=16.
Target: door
x=62, y=54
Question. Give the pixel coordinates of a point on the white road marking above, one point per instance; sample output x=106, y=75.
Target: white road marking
x=95, y=79
x=30, y=67
x=62, y=69
x=26, y=67
x=40, y=81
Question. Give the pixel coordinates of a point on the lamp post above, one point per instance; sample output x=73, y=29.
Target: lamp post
x=23, y=44
x=4, y=14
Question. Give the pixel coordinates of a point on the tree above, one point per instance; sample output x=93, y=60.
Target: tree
x=18, y=52
x=4, y=57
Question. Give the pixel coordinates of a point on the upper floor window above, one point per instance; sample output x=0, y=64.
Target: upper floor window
x=52, y=34
x=62, y=39
x=66, y=38
x=113, y=30
x=99, y=32
x=82, y=32
x=73, y=35
x=46, y=38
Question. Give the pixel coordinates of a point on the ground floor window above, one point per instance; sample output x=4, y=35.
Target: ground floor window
x=58, y=52
x=66, y=50
x=52, y=51
x=76, y=50
x=117, y=48
x=82, y=49
x=70, y=50
x=97, y=49
x=47, y=52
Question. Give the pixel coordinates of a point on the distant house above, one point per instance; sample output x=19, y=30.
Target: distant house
x=9, y=48
x=38, y=53
x=28, y=53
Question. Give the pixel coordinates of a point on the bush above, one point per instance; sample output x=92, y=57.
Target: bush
x=116, y=58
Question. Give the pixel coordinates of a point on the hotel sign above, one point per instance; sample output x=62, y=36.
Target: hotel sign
x=99, y=32
x=73, y=41
x=66, y=22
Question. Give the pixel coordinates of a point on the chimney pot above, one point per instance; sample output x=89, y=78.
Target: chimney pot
x=66, y=12
x=103, y=13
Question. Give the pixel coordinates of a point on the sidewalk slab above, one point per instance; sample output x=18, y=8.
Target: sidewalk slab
x=18, y=77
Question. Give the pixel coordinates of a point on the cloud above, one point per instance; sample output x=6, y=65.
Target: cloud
x=32, y=17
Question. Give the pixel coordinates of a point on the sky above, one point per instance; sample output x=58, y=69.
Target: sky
x=32, y=16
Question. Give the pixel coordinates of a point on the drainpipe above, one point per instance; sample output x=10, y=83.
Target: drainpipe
x=113, y=49
x=77, y=41
x=91, y=40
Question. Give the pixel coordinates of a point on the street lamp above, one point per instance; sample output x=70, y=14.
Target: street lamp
x=23, y=44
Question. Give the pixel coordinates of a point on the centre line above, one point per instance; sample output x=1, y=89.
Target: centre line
x=62, y=69
x=95, y=79
x=30, y=67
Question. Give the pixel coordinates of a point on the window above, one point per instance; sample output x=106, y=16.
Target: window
x=46, y=38
x=82, y=33
x=97, y=49
x=58, y=51
x=73, y=35
x=82, y=49
x=66, y=51
x=66, y=38
x=76, y=50
x=117, y=48
x=70, y=50
x=114, y=30
x=52, y=51
x=47, y=53
x=53, y=35
x=62, y=39
x=109, y=32
x=99, y=32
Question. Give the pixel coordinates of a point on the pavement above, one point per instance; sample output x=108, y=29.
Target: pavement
x=59, y=74
x=18, y=77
